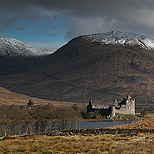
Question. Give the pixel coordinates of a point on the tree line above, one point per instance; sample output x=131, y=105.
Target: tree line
x=35, y=119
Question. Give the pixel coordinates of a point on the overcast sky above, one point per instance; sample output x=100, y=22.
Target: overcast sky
x=51, y=23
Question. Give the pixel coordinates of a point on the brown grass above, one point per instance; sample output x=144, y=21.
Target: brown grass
x=79, y=144
x=8, y=98
x=93, y=144
x=145, y=124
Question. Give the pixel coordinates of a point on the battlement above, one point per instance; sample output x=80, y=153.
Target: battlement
x=101, y=106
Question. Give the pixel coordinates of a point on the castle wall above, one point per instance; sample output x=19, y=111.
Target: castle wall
x=124, y=111
x=107, y=111
x=104, y=112
x=126, y=106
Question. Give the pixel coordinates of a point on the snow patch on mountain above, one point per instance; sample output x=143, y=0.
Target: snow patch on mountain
x=122, y=39
x=13, y=47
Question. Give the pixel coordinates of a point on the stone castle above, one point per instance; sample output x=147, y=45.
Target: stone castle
x=125, y=106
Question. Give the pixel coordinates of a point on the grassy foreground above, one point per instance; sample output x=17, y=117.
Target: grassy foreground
x=143, y=143
x=92, y=144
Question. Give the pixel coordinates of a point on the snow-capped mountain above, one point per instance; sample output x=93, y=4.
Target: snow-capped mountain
x=103, y=72
x=12, y=47
x=121, y=38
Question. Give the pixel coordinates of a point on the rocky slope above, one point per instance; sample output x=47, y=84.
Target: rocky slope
x=85, y=68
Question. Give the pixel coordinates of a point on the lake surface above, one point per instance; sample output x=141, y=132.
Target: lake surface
x=100, y=124
x=35, y=127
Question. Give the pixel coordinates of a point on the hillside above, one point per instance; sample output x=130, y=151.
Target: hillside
x=85, y=69
x=11, y=98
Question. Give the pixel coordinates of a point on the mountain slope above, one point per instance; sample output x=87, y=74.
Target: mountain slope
x=84, y=69
x=13, y=47
x=17, y=56
x=10, y=98
x=103, y=72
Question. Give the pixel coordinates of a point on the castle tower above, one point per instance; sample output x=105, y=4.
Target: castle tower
x=130, y=104
x=133, y=106
x=126, y=106
x=112, y=111
x=89, y=107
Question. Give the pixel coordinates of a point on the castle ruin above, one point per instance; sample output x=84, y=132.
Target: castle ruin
x=125, y=106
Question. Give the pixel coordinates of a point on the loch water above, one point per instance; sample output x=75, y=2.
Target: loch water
x=35, y=127
x=100, y=124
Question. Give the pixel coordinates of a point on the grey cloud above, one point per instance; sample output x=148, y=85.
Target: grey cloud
x=83, y=16
x=90, y=25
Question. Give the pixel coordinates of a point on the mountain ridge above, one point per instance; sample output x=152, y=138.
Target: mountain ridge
x=13, y=47
x=121, y=38
x=83, y=70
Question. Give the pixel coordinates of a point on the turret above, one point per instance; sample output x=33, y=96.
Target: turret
x=128, y=97
x=116, y=103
